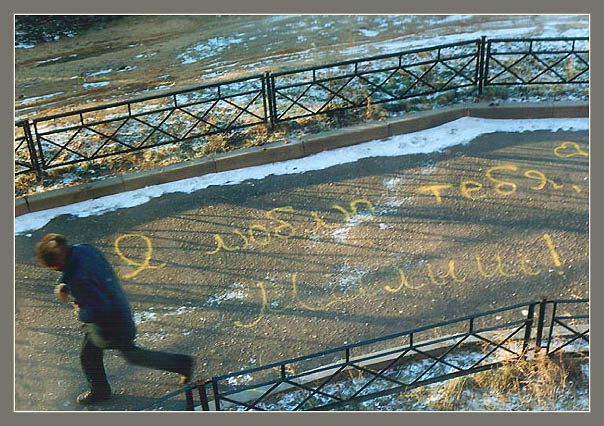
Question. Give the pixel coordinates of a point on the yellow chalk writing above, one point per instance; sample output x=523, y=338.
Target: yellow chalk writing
x=552, y=251
x=563, y=151
x=443, y=280
x=319, y=223
x=220, y=244
x=263, y=309
x=498, y=268
x=285, y=229
x=284, y=225
x=543, y=180
x=263, y=229
x=468, y=186
x=435, y=190
x=524, y=268
x=366, y=203
x=437, y=279
x=500, y=185
x=145, y=263
x=537, y=175
x=404, y=282
x=295, y=301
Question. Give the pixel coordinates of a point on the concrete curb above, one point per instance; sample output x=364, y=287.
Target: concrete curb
x=292, y=149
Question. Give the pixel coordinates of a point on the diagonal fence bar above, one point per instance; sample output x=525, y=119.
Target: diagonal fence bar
x=190, y=116
x=184, y=116
x=537, y=61
x=416, y=363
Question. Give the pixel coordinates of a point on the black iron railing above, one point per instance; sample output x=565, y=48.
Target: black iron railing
x=511, y=62
x=143, y=123
x=396, y=363
x=188, y=116
x=379, y=79
x=26, y=159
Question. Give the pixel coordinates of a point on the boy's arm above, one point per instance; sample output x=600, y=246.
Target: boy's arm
x=62, y=292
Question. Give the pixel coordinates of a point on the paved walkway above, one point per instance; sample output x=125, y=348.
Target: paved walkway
x=247, y=274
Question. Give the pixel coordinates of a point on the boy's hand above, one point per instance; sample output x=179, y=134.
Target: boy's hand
x=76, y=307
x=61, y=292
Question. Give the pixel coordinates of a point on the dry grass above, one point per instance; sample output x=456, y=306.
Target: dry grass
x=526, y=384
x=28, y=184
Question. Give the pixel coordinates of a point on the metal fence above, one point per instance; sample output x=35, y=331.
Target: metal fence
x=538, y=61
x=395, y=363
x=188, y=116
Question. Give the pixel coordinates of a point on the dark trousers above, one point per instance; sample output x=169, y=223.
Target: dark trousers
x=91, y=357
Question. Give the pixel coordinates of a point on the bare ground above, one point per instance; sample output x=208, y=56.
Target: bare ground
x=149, y=54
x=149, y=51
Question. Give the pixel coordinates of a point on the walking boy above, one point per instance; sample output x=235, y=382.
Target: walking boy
x=103, y=308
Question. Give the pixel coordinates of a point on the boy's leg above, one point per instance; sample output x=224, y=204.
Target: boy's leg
x=176, y=363
x=91, y=359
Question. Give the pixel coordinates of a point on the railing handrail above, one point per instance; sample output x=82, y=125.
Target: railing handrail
x=294, y=71
x=528, y=322
x=166, y=94
x=374, y=58
x=275, y=106
x=375, y=340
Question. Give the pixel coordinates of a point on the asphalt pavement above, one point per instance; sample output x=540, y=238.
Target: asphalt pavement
x=243, y=275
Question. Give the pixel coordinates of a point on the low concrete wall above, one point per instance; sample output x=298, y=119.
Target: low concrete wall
x=291, y=149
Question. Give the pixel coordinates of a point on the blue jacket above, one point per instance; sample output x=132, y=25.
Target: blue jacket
x=95, y=288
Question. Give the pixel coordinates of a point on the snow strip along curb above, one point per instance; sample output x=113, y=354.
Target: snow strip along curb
x=293, y=149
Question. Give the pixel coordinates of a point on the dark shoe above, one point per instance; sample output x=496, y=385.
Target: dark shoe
x=187, y=371
x=90, y=397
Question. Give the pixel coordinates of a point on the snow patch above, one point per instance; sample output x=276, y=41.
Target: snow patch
x=38, y=98
x=237, y=293
x=98, y=84
x=341, y=234
x=99, y=72
x=142, y=317
x=430, y=140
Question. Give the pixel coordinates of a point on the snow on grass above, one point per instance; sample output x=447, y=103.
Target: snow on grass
x=48, y=61
x=457, y=132
x=347, y=278
x=38, y=98
x=239, y=380
x=97, y=84
x=369, y=33
x=392, y=183
x=211, y=47
x=470, y=399
x=141, y=317
x=144, y=316
x=99, y=72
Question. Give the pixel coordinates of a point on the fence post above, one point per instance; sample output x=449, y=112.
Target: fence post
x=190, y=403
x=481, y=70
x=551, y=327
x=216, y=396
x=266, y=98
x=203, y=395
x=529, y=327
x=31, y=146
x=540, y=323
x=268, y=79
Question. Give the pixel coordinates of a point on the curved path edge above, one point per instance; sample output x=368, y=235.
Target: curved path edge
x=294, y=148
